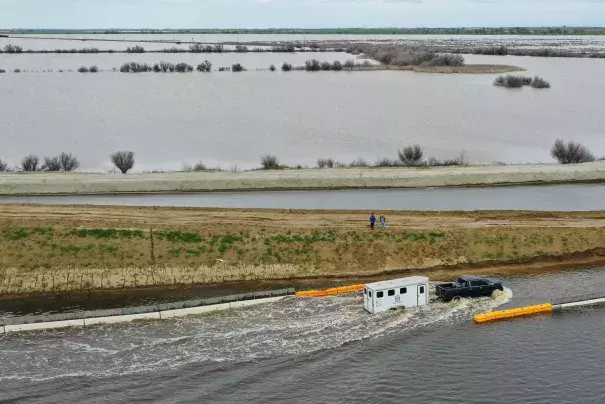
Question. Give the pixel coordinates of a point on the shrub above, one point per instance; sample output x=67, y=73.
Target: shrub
x=360, y=162
x=13, y=49
x=199, y=166
x=123, y=160
x=325, y=66
x=337, y=66
x=196, y=48
x=183, y=67
x=17, y=71
x=205, y=66
x=445, y=59
x=3, y=166
x=218, y=48
x=386, y=162
x=93, y=69
x=539, y=82
x=68, y=161
x=2, y=71
x=241, y=48
x=134, y=67
x=458, y=161
x=512, y=81
x=30, y=163
x=167, y=66
x=83, y=69
x=156, y=68
x=570, y=153
x=349, y=65
x=325, y=162
x=51, y=164
x=272, y=68
x=312, y=65
x=410, y=155
x=174, y=49
x=286, y=67
x=237, y=68
x=269, y=162
x=135, y=49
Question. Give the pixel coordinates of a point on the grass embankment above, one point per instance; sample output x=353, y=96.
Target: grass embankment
x=74, y=248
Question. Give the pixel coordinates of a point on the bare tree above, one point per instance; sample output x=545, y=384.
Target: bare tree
x=3, y=166
x=570, y=153
x=51, y=164
x=123, y=160
x=68, y=161
x=325, y=162
x=30, y=163
x=410, y=155
x=269, y=162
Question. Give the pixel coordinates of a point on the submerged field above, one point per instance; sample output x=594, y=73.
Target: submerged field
x=75, y=248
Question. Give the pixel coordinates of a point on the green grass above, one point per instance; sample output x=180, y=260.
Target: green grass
x=16, y=234
x=107, y=233
x=176, y=236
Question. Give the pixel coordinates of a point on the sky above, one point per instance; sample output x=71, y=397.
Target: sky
x=297, y=13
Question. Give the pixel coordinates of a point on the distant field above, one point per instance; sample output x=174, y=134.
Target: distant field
x=339, y=31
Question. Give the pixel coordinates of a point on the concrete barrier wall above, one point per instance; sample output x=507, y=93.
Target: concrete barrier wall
x=155, y=312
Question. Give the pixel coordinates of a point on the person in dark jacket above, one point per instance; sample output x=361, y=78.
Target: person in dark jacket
x=372, y=220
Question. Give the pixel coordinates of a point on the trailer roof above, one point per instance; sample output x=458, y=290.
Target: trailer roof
x=397, y=283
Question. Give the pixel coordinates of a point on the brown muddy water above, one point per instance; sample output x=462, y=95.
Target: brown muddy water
x=325, y=350
x=230, y=119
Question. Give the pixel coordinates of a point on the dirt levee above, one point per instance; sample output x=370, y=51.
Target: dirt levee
x=79, y=248
x=79, y=183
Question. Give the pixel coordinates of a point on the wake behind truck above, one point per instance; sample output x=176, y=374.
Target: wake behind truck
x=467, y=286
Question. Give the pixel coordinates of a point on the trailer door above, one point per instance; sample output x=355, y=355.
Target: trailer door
x=421, y=295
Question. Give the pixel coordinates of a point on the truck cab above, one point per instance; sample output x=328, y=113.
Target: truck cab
x=468, y=287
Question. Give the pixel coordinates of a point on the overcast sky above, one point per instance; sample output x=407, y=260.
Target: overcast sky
x=297, y=13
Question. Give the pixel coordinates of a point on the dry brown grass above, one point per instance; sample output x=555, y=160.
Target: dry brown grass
x=61, y=248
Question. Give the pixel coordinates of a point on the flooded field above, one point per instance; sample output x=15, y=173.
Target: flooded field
x=230, y=120
x=568, y=42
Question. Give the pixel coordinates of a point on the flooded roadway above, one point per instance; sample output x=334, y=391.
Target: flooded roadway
x=325, y=350
x=539, y=197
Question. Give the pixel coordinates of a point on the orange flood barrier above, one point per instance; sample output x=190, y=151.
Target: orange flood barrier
x=512, y=313
x=330, y=292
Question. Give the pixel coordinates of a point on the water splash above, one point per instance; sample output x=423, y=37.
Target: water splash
x=292, y=326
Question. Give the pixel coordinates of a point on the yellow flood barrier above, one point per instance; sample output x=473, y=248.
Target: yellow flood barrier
x=330, y=292
x=513, y=313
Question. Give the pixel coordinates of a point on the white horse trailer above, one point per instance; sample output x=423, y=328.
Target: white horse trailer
x=396, y=293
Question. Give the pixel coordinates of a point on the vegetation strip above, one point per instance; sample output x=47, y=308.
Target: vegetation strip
x=63, y=249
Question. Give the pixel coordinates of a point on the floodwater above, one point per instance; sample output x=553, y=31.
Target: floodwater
x=230, y=120
x=542, y=197
x=69, y=63
x=325, y=350
x=584, y=42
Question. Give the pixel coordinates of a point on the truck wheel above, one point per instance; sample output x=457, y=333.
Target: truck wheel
x=456, y=299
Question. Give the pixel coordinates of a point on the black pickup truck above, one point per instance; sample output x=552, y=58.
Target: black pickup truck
x=467, y=286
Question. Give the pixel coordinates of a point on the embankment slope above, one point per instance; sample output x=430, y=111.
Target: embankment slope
x=81, y=183
x=79, y=248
